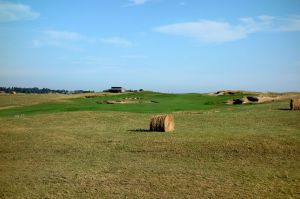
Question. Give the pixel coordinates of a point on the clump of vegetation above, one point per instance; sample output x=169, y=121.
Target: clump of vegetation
x=40, y=91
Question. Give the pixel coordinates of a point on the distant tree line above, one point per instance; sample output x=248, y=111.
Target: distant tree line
x=40, y=91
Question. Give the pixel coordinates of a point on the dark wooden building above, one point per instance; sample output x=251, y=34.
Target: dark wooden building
x=115, y=89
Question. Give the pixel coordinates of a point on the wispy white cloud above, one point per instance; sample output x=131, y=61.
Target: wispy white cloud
x=206, y=31
x=116, y=41
x=289, y=25
x=63, y=35
x=221, y=31
x=16, y=11
x=137, y=2
x=68, y=39
x=58, y=39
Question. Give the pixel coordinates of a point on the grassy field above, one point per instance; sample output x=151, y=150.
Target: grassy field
x=83, y=148
x=161, y=103
x=9, y=101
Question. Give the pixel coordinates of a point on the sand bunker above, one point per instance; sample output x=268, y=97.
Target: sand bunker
x=262, y=98
x=128, y=101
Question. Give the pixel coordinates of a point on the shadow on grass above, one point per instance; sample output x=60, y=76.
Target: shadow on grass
x=283, y=109
x=143, y=130
x=140, y=130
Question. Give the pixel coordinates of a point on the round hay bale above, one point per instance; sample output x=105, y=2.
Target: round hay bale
x=162, y=123
x=295, y=104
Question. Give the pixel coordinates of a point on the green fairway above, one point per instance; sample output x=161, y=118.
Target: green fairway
x=216, y=150
x=160, y=103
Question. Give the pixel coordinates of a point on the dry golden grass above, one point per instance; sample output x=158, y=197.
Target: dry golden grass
x=212, y=154
x=21, y=99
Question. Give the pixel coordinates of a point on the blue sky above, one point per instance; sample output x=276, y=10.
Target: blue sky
x=161, y=45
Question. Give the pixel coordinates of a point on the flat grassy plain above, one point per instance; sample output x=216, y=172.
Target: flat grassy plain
x=80, y=148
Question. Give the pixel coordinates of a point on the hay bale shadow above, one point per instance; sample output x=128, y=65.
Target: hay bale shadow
x=139, y=130
x=143, y=131
x=283, y=109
